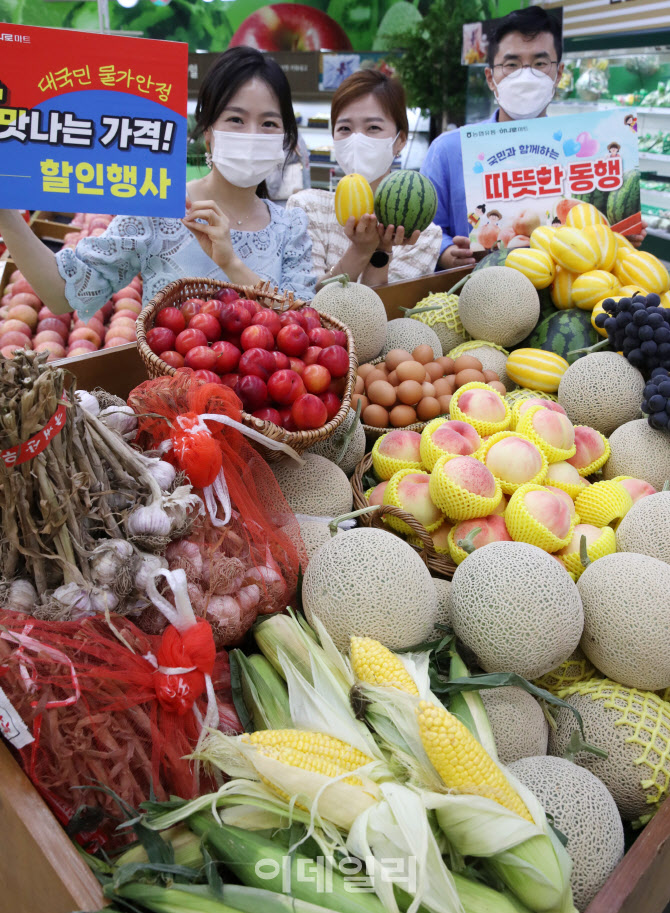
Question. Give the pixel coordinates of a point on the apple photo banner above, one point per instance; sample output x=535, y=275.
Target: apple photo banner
x=92, y=123
x=526, y=173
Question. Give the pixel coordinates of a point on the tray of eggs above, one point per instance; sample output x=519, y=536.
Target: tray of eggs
x=408, y=389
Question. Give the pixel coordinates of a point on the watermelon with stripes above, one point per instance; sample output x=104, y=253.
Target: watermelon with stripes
x=562, y=332
x=406, y=198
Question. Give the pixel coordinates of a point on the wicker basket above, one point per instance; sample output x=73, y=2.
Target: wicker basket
x=441, y=565
x=180, y=291
x=372, y=432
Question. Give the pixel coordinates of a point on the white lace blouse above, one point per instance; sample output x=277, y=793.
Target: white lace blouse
x=163, y=250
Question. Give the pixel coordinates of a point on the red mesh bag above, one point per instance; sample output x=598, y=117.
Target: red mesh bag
x=243, y=556
x=108, y=705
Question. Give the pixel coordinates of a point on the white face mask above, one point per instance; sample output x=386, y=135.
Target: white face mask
x=370, y=156
x=246, y=159
x=525, y=95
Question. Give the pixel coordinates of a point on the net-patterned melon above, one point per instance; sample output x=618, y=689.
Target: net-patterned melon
x=592, y=287
x=572, y=251
x=407, y=334
x=335, y=448
x=602, y=238
x=358, y=307
x=633, y=727
x=626, y=599
x=520, y=728
x=576, y=668
x=582, y=808
x=537, y=369
x=535, y=265
x=602, y=390
x=561, y=288
x=639, y=451
x=314, y=533
x=516, y=608
x=584, y=215
x=443, y=319
x=492, y=357
x=318, y=488
x=443, y=590
x=369, y=583
x=637, y=267
x=499, y=305
x=646, y=527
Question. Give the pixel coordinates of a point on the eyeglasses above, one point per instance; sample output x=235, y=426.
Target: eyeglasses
x=540, y=68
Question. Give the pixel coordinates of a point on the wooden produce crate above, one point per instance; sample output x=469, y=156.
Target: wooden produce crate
x=406, y=294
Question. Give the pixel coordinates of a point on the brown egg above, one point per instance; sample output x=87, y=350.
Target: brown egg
x=447, y=364
x=364, y=370
x=501, y=388
x=466, y=361
x=382, y=367
x=489, y=376
x=395, y=356
x=444, y=386
x=374, y=375
x=409, y=392
x=468, y=376
x=365, y=402
x=423, y=353
x=433, y=371
x=377, y=416
x=427, y=389
x=359, y=386
x=401, y=416
x=428, y=408
x=392, y=378
x=382, y=393
x=444, y=404
x=411, y=370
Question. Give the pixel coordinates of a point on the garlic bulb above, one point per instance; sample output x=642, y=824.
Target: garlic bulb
x=150, y=520
x=87, y=401
x=163, y=472
x=107, y=560
x=103, y=600
x=149, y=564
x=21, y=596
x=121, y=419
x=74, y=600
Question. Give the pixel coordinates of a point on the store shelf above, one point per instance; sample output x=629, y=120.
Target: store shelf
x=660, y=164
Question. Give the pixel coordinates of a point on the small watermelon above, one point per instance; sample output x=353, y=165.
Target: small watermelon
x=406, y=198
x=625, y=201
x=495, y=258
x=596, y=197
x=562, y=332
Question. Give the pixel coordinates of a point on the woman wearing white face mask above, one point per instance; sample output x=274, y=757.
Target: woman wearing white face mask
x=230, y=231
x=369, y=119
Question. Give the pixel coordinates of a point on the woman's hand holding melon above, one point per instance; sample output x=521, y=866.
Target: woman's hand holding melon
x=390, y=237
x=363, y=233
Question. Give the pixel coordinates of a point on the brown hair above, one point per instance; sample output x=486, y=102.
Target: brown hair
x=388, y=92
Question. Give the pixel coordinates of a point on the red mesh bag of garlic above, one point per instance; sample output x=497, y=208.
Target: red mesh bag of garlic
x=242, y=556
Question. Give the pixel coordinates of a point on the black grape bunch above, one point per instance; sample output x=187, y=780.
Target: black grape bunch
x=640, y=328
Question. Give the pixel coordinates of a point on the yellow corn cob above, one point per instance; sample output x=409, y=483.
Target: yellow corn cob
x=314, y=744
x=461, y=761
x=307, y=761
x=375, y=664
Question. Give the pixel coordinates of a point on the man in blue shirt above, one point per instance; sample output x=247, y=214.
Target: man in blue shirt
x=524, y=67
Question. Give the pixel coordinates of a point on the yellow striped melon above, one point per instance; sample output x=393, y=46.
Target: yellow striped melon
x=536, y=369
x=622, y=242
x=353, y=197
x=536, y=265
x=599, y=309
x=561, y=289
x=583, y=215
x=635, y=267
x=590, y=288
x=665, y=300
x=572, y=251
x=602, y=238
x=540, y=238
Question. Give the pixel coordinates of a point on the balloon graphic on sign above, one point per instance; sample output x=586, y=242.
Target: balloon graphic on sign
x=477, y=167
x=481, y=156
x=571, y=147
x=588, y=146
x=558, y=136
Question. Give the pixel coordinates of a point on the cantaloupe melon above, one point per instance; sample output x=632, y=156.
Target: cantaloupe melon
x=633, y=727
x=640, y=451
x=582, y=808
x=361, y=309
x=492, y=357
x=626, y=600
x=318, y=488
x=519, y=726
x=403, y=333
x=443, y=591
x=314, y=533
x=516, y=608
x=499, y=305
x=602, y=390
x=444, y=320
x=354, y=452
x=576, y=668
x=646, y=527
x=369, y=583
